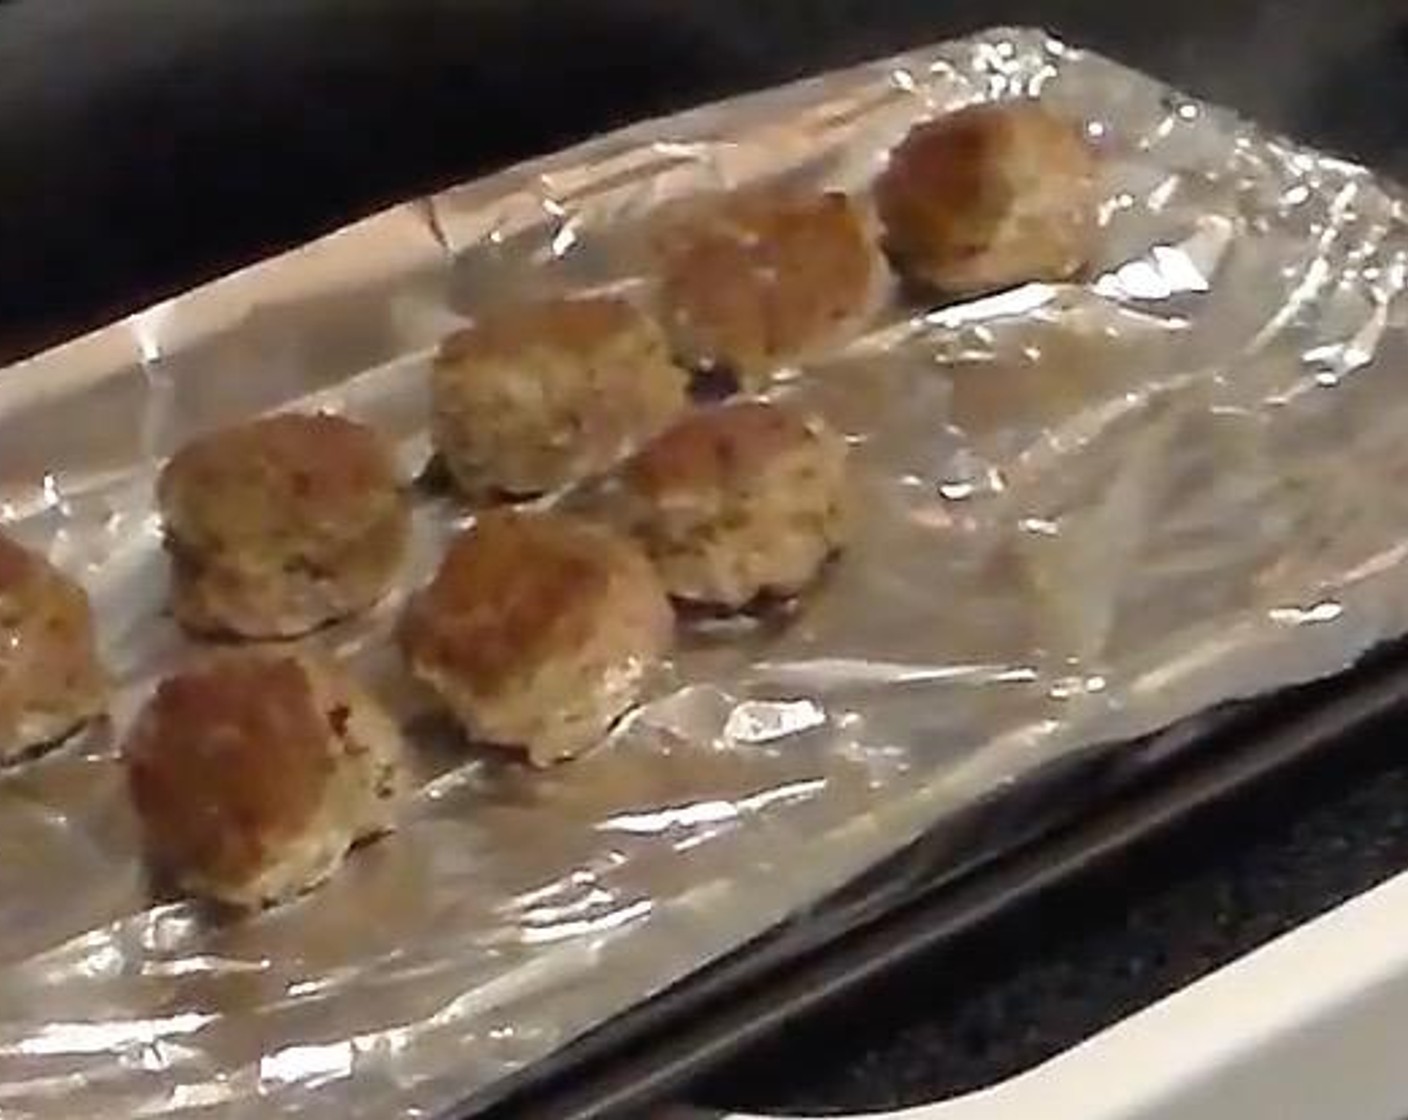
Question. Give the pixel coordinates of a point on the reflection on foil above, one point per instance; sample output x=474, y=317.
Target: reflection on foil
x=307, y=1065
x=1018, y=301
x=1169, y=270
x=98, y=1038
x=1306, y=616
x=685, y=817
x=1086, y=511
x=755, y=722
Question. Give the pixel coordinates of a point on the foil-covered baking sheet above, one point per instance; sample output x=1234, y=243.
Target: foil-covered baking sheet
x=1090, y=510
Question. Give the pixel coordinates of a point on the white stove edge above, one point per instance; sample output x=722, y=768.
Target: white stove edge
x=1313, y=1026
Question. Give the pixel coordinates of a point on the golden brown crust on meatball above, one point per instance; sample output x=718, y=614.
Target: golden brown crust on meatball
x=252, y=722
x=758, y=280
x=738, y=501
x=50, y=680
x=722, y=446
x=573, y=323
x=508, y=593
x=988, y=196
x=537, y=396
x=537, y=631
x=274, y=479
x=254, y=773
x=280, y=525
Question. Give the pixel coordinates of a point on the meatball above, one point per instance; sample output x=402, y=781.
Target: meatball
x=990, y=196
x=254, y=773
x=281, y=525
x=537, y=396
x=537, y=631
x=764, y=279
x=737, y=501
x=50, y=680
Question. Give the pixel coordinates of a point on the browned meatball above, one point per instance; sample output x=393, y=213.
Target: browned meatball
x=756, y=281
x=737, y=501
x=989, y=196
x=534, y=397
x=281, y=525
x=254, y=773
x=537, y=631
x=50, y=679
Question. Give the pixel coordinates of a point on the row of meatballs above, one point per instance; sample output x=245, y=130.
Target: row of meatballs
x=255, y=771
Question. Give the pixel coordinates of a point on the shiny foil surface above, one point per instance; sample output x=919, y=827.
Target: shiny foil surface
x=1089, y=510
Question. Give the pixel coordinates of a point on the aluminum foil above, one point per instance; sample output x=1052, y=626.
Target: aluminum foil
x=1092, y=509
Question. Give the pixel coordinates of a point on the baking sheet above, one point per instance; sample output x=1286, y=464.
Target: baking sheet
x=1090, y=510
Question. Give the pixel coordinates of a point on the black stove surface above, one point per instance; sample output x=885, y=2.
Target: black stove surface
x=1058, y=971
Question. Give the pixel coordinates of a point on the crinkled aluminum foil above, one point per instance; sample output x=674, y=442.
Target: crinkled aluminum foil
x=1091, y=510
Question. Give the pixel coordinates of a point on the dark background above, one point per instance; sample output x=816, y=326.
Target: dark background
x=147, y=144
